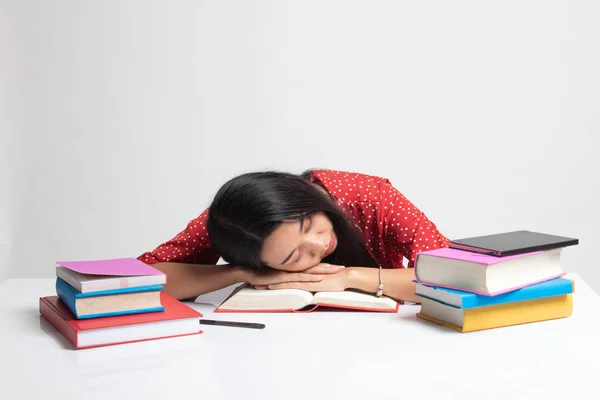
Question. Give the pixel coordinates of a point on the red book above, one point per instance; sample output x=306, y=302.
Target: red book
x=177, y=320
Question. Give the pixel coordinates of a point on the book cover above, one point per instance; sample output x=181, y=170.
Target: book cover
x=178, y=319
x=70, y=296
x=497, y=316
x=511, y=243
x=461, y=299
x=470, y=257
x=114, y=267
x=484, y=274
x=85, y=283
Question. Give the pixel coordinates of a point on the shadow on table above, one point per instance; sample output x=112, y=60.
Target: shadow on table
x=422, y=324
x=52, y=332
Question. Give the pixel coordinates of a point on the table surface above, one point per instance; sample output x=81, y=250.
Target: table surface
x=341, y=355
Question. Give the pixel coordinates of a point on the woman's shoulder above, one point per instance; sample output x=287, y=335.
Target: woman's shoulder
x=345, y=176
x=351, y=186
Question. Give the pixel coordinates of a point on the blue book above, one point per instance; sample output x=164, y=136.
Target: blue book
x=109, y=303
x=463, y=300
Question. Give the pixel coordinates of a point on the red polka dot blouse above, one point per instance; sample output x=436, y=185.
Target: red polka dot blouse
x=393, y=227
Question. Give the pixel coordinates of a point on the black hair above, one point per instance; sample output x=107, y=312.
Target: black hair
x=247, y=208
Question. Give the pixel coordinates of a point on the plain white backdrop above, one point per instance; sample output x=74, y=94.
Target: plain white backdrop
x=120, y=119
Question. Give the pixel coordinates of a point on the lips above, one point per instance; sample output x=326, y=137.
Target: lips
x=330, y=246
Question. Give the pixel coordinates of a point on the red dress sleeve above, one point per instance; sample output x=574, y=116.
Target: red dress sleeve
x=192, y=245
x=406, y=229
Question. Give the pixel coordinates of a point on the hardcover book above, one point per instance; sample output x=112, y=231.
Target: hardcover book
x=484, y=274
x=496, y=316
x=460, y=299
x=511, y=243
x=178, y=319
x=97, y=275
x=108, y=303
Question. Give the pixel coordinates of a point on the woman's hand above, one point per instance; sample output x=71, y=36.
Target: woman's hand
x=333, y=282
x=262, y=279
x=324, y=268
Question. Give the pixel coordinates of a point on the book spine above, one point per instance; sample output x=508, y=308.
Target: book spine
x=62, y=273
x=67, y=295
x=56, y=320
x=110, y=292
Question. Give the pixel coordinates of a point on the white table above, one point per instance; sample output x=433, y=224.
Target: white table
x=304, y=356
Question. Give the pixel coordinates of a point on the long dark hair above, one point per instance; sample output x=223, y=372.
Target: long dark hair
x=247, y=208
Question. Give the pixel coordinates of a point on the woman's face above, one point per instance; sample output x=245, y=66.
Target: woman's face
x=299, y=244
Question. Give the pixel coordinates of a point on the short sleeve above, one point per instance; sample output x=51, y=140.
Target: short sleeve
x=406, y=229
x=192, y=245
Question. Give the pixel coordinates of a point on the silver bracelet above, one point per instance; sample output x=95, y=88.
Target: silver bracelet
x=380, y=287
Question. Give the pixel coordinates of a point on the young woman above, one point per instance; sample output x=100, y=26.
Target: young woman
x=319, y=231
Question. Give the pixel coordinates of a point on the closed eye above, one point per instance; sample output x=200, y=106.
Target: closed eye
x=307, y=224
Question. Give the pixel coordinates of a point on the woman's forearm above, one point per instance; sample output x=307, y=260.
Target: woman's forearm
x=185, y=281
x=397, y=283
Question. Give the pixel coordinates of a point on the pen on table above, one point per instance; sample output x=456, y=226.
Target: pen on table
x=235, y=324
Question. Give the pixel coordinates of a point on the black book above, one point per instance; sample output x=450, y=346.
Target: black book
x=511, y=243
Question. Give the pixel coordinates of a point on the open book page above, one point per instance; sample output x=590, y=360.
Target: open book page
x=217, y=297
x=252, y=299
x=355, y=300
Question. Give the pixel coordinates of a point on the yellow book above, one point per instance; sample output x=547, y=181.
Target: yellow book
x=496, y=316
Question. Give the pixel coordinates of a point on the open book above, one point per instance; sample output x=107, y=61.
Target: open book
x=246, y=299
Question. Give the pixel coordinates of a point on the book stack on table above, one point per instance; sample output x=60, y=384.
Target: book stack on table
x=105, y=302
x=495, y=281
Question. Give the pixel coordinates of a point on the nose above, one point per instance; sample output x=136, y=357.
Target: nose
x=319, y=243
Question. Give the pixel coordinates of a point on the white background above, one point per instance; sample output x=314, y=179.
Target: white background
x=120, y=119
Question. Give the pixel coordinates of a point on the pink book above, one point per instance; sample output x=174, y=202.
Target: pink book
x=471, y=257
x=484, y=274
x=113, y=267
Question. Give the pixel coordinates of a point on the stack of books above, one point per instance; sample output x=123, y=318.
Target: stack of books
x=495, y=281
x=106, y=302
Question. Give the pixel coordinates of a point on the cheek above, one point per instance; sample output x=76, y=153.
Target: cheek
x=324, y=225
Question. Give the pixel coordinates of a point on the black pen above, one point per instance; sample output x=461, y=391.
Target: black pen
x=251, y=325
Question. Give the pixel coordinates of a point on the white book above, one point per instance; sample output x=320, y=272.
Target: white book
x=86, y=283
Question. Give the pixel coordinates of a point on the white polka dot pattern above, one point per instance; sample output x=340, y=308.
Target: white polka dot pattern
x=192, y=245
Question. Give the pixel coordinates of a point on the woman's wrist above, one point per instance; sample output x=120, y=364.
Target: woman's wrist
x=361, y=278
x=241, y=274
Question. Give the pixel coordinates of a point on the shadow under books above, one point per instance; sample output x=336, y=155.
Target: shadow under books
x=52, y=332
x=412, y=319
